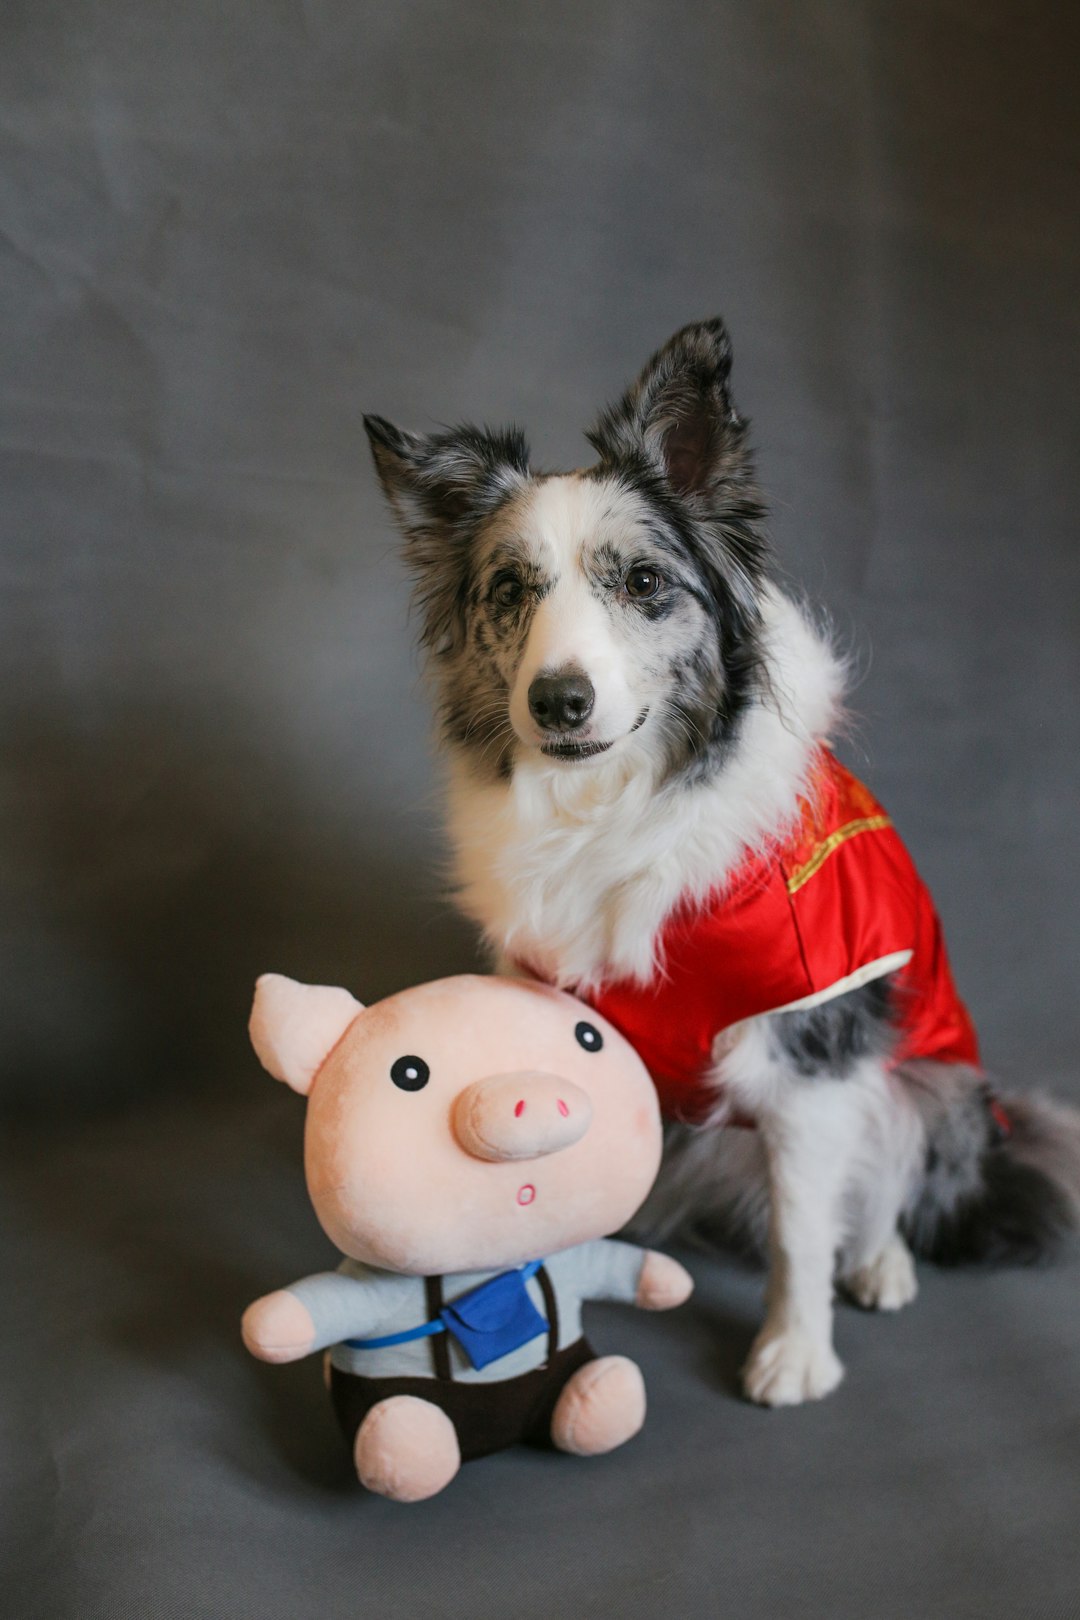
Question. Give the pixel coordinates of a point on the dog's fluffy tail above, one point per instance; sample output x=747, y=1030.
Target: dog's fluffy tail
x=1001, y=1177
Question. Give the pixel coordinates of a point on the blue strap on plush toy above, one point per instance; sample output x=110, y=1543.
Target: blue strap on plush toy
x=488, y=1322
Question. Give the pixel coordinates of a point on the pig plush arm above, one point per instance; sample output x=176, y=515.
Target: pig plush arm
x=614, y=1270
x=663, y=1283
x=319, y=1311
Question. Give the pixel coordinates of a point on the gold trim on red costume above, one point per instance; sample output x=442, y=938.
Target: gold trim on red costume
x=825, y=849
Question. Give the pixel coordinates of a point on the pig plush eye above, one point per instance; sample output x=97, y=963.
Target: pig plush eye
x=588, y=1037
x=410, y=1073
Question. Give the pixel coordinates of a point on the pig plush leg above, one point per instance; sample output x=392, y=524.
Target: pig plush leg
x=406, y=1449
x=602, y=1406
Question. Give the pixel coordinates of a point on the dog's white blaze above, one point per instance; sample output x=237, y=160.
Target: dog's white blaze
x=571, y=626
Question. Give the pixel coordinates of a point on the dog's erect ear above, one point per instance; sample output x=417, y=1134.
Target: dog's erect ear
x=679, y=415
x=439, y=479
x=678, y=424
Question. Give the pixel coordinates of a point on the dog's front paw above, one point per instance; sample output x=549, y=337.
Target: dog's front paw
x=887, y=1283
x=789, y=1367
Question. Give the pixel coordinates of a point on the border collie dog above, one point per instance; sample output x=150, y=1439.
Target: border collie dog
x=644, y=809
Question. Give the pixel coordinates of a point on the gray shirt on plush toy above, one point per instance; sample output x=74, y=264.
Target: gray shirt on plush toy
x=360, y=1302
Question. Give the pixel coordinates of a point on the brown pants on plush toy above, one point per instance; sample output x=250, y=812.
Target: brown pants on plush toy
x=486, y=1417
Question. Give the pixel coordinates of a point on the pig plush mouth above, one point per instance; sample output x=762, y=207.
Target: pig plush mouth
x=526, y=1194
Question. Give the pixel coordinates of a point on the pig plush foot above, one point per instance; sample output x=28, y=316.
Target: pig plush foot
x=602, y=1407
x=406, y=1449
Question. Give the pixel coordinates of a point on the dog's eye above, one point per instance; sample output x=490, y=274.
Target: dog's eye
x=507, y=590
x=588, y=1037
x=641, y=583
x=410, y=1073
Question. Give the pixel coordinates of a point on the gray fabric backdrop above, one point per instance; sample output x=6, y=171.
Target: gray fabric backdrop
x=225, y=232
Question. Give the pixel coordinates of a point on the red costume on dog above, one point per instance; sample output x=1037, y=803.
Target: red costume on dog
x=835, y=904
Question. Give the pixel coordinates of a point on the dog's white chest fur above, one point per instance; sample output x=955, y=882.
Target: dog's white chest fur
x=572, y=870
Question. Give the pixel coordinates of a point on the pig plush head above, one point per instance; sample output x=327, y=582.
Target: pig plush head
x=467, y=1124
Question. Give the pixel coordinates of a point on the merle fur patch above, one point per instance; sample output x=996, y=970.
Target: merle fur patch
x=987, y=1197
x=831, y=1039
x=443, y=488
x=677, y=439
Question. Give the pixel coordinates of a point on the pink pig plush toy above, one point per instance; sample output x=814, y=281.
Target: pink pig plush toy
x=469, y=1145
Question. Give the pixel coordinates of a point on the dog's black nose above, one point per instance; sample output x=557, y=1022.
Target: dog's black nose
x=562, y=701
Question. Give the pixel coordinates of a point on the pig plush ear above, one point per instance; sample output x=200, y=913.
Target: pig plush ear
x=294, y=1027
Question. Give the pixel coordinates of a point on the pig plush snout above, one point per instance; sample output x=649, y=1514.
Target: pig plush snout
x=520, y=1116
